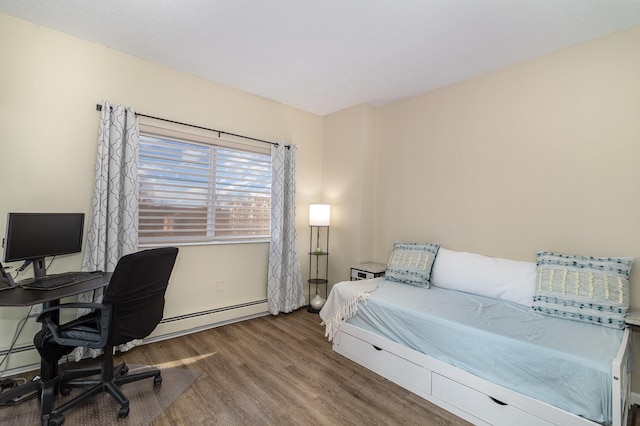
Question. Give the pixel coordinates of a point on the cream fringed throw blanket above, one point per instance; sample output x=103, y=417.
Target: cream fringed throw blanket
x=342, y=303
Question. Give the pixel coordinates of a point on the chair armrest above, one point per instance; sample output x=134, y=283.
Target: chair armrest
x=75, y=305
x=103, y=320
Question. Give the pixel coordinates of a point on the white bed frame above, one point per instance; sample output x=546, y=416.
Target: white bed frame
x=467, y=396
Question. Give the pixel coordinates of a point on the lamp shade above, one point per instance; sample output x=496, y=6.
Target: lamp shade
x=319, y=214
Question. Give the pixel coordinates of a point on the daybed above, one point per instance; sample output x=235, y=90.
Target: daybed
x=494, y=341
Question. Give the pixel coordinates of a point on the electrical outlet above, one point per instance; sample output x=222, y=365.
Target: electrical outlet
x=35, y=310
x=220, y=285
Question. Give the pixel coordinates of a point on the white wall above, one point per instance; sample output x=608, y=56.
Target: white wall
x=50, y=84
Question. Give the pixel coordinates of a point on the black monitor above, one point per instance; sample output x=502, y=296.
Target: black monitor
x=34, y=236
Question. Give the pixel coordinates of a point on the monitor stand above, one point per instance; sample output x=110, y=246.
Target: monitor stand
x=39, y=271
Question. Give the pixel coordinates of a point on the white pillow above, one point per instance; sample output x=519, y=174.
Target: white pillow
x=511, y=280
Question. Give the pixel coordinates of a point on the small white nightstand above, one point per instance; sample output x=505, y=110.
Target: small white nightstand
x=366, y=271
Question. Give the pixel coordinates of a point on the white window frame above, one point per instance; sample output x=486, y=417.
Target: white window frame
x=211, y=235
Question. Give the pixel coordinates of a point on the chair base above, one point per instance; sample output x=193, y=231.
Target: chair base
x=109, y=381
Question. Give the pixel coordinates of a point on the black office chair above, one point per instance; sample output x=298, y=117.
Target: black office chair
x=132, y=307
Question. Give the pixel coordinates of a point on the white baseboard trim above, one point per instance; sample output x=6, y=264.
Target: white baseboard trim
x=635, y=398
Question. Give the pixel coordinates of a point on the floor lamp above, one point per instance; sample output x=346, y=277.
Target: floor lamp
x=319, y=218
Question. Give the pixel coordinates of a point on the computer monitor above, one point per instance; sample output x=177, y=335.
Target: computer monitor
x=35, y=236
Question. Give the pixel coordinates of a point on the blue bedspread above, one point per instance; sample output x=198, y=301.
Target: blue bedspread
x=564, y=363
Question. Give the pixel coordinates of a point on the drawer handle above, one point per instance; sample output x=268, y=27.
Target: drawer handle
x=376, y=348
x=497, y=401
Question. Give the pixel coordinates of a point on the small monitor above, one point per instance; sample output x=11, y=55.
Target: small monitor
x=35, y=236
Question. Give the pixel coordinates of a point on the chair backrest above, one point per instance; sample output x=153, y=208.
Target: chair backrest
x=136, y=292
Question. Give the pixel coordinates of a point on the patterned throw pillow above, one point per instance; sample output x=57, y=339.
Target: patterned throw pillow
x=411, y=263
x=588, y=289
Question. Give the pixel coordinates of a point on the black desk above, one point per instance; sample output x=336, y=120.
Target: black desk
x=21, y=297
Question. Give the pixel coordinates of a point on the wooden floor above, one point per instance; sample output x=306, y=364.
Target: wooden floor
x=280, y=370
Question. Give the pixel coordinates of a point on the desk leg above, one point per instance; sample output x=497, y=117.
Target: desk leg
x=49, y=385
x=50, y=371
x=47, y=372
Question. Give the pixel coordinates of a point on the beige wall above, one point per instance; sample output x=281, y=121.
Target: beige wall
x=542, y=155
x=347, y=176
x=49, y=86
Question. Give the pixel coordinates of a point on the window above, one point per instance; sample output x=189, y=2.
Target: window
x=192, y=191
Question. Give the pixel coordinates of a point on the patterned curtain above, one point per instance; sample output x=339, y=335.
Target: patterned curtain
x=113, y=224
x=285, y=291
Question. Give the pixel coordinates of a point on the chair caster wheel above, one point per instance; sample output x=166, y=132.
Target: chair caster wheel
x=56, y=420
x=125, y=370
x=64, y=390
x=123, y=412
x=157, y=381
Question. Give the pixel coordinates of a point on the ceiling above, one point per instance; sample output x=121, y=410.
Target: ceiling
x=325, y=55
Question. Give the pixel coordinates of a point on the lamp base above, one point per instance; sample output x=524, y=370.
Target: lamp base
x=317, y=302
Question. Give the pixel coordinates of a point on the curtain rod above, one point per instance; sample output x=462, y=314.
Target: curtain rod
x=219, y=132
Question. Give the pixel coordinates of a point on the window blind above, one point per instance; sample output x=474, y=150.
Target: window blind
x=196, y=192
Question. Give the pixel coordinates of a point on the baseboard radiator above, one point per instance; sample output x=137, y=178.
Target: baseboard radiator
x=26, y=348
x=207, y=326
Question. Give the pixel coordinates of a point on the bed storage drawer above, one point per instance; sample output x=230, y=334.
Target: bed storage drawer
x=479, y=404
x=397, y=369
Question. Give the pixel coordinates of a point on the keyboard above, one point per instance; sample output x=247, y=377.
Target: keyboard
x=61, y=280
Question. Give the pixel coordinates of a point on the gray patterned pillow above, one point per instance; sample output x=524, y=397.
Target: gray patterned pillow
x=411, y=263
x=588, y=289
